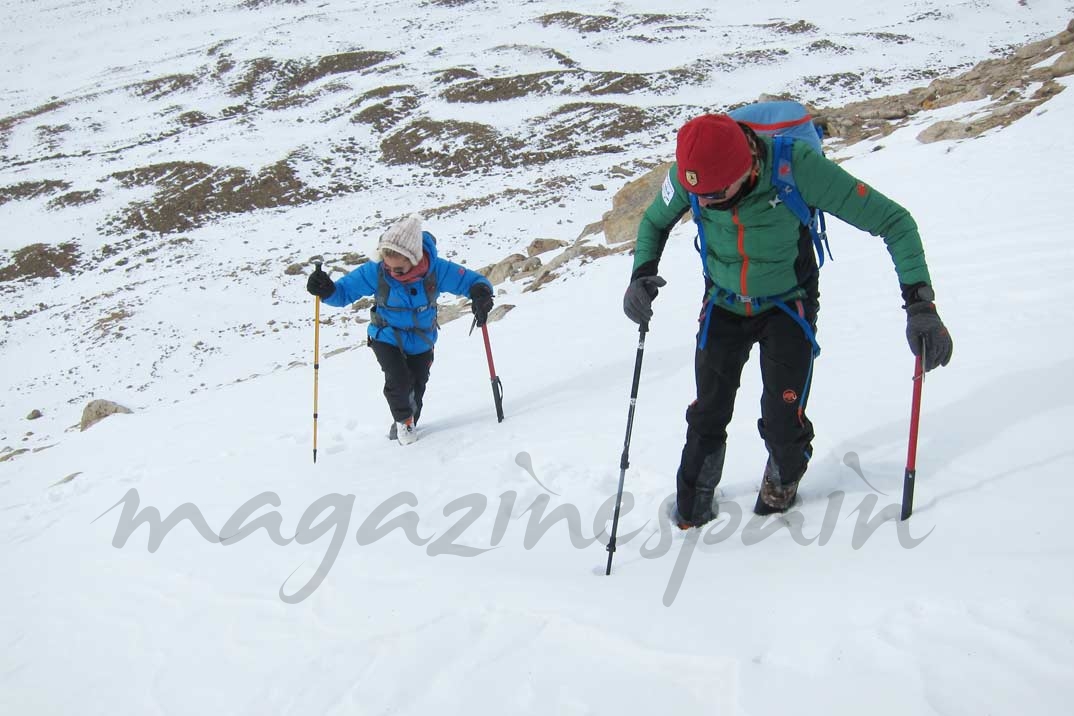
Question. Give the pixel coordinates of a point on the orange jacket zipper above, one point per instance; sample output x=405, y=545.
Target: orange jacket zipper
x=743, y=290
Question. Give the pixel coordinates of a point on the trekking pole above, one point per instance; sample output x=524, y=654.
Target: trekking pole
x=911, y=453
x=497, y=386
x=624, y=460
x=316, y=358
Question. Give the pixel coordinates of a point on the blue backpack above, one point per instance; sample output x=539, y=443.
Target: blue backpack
x=786, y=121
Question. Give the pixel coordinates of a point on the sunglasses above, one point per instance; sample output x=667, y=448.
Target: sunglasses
x=714, y=196
x=402, y=265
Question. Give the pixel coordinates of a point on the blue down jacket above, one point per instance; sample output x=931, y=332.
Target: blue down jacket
x=406, y=316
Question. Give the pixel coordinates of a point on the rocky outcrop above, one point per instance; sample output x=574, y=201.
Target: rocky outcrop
x=1014, y=85
x=581, y=249
x=448, y=312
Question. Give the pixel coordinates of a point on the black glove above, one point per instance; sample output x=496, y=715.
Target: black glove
x=923, y=323
x=320, y=285
x=638, y=299
x=481, y=302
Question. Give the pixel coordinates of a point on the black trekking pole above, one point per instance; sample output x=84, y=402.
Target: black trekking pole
x=624, y=461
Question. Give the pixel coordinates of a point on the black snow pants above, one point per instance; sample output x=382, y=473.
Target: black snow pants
x=405, y=377
x=786, y=364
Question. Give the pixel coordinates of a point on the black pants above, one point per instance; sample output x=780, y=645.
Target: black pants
x=785, y=369
x=405, y=377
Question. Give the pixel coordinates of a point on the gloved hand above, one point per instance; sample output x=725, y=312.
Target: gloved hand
x=922, y=322
x=481, y=302
x=638, y=299
x=319, y=284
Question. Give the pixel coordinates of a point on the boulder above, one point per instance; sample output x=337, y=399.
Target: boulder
x=941, y=131
x=629, y=203
x=97, y=410
x=539, y=246
x=505, y=269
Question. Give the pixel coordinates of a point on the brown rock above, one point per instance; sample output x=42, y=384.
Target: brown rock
x=9, y=454
x=945, y=130
x=539, y=246
x=1064, y=65
x=499, y=312
x=629, y=203
x=97, y=410
x=505, y=269
x=527, y=268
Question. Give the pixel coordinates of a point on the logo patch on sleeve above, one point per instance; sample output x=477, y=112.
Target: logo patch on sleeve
x=862, y=189
x=667, y=191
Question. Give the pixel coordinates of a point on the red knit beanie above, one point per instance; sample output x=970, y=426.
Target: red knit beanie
x=712, y=154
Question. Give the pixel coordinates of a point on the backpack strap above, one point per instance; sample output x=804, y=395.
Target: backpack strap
x=699, y=244
x=429, y=284
x=787, y=188
x=779, y=301
x=431, y=291
x=730, y=297
x=380, y=301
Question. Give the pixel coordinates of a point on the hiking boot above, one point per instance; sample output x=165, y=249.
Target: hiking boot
x=687, y=524
x=774, y=496
x=681, y=522
x=405, y=431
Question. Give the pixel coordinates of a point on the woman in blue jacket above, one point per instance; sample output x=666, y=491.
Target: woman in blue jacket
x=402, y=329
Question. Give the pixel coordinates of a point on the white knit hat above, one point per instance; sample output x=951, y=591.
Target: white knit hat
x=404, y=238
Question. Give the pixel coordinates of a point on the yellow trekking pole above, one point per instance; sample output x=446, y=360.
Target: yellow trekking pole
x=316, y=359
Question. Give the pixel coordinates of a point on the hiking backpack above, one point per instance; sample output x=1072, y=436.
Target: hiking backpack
x=785, y=121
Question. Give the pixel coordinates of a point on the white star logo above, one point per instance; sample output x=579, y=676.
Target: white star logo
x=775, y=201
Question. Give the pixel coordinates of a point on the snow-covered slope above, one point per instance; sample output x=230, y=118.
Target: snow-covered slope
x=185, y=163
x=391, y=580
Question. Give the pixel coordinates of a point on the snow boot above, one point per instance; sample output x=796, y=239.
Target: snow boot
x=405, y=431
x=774, y=495
x=393, y=429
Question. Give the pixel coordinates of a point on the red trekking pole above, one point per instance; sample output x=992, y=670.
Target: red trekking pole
x=497, y=386
x=316, y=359
x=911, y=453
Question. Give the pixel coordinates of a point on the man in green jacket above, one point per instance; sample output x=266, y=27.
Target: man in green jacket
x=761, y=287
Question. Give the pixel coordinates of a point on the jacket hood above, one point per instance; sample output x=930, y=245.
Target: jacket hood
x=428, y=243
